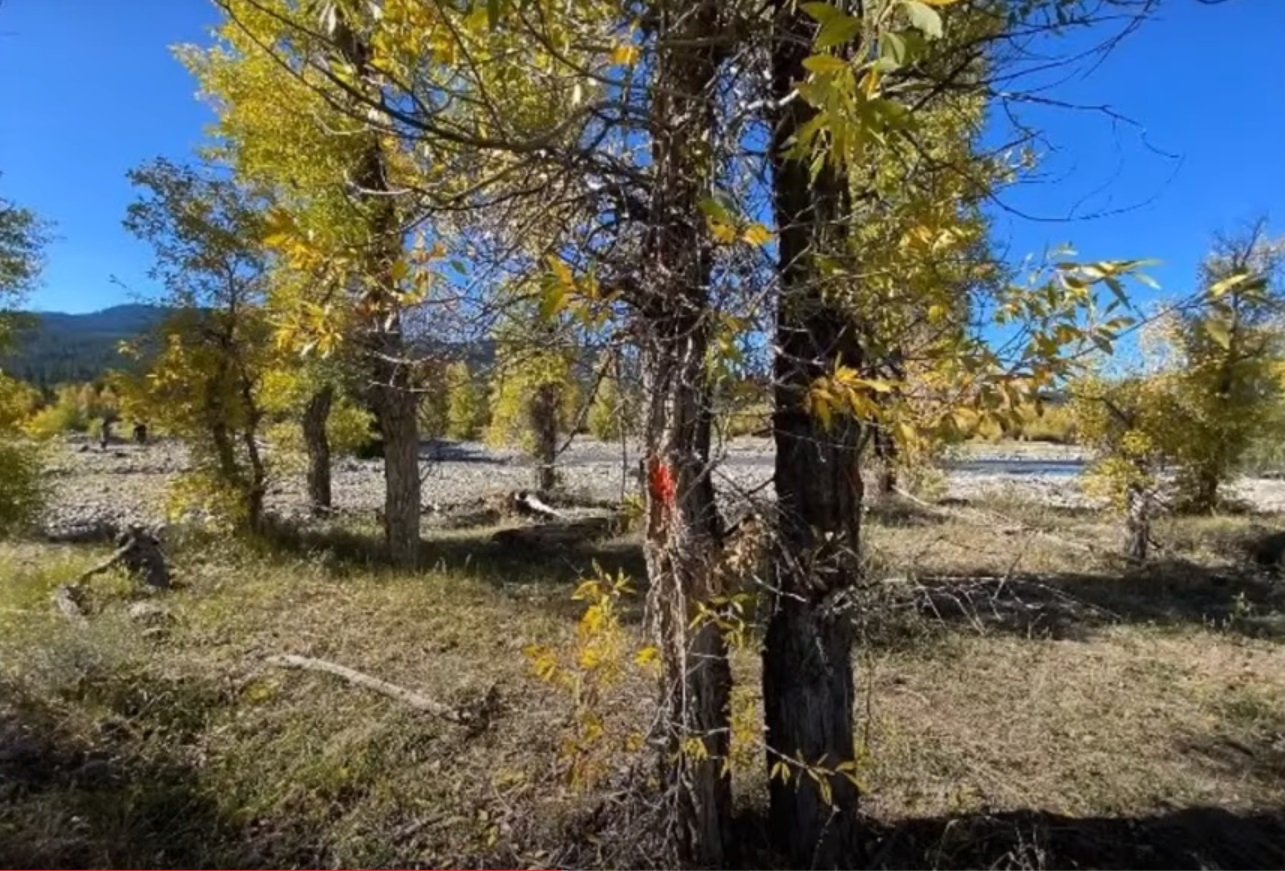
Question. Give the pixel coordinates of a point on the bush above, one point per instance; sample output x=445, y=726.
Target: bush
x=22, y=492
x=75, y=408
x=465, y=403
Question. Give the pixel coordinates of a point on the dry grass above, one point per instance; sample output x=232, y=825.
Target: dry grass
x=1003, y=672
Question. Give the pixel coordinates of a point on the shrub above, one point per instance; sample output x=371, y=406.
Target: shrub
x=22, y=492
x=465, y=403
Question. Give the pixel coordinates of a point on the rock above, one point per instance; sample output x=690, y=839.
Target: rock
x=149, y=612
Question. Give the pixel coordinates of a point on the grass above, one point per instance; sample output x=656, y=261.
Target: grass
x=1023, y=703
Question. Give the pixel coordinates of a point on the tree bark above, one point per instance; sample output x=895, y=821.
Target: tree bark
x=1137, y=523
x=315, y=415
x=886, y=453
x=807, y=664
x=683, y=528
x=543, y=418
x=395, y=407
x=391, y=392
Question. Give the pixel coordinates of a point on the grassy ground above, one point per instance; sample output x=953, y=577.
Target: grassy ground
x=1026, y=702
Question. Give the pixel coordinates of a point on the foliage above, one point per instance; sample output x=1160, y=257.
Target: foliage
x=1128, y=424
x=205, y=383
x=23, y=237
x=591, y=673
x=75, y=408
x=1228, y=354
x=22, y=486
x=521, y=373
x=466, y=410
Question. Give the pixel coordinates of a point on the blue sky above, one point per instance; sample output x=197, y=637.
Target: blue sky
x=88, y=89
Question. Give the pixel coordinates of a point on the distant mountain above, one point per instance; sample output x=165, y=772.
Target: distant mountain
x=54, y=347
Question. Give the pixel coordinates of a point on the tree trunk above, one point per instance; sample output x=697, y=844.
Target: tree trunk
x=807, y=663
x=683, y=529
x=392, y=395
x=315, y=416
x=543, y=419
x=395, y=407
x=886, y=453
x=1137, y=523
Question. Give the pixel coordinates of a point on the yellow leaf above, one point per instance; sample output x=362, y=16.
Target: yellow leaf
x=757, y=235
x=624, y=54
x=721, y=232
x=560, y=270
x=647, y=656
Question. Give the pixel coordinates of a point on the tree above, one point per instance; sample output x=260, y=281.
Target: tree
x=207, y=233
x=22, y=241
x=338, y=219
x=466, y=403
x=527, y=397
x=1128, y=423
x=22, y=491
x=1227, y=349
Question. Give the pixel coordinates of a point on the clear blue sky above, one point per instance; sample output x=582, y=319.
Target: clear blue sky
x=88, y=89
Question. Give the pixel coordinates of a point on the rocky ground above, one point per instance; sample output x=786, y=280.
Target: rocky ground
x=129, y=483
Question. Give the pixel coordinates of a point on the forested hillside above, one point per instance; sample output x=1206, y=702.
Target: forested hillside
x=55, y=348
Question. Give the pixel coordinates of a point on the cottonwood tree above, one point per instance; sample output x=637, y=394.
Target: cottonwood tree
x=1227, y=350
x=207, y=234
x=22, y=242
x=283, y=126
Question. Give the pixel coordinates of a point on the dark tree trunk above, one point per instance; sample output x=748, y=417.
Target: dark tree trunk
x=315, y=415
x=392, y=396
x=395, y=407
x=257, y=487
x=886, y=453
x=807, y=664
x=1137, y=523
x=683, y=529
x=543, y=419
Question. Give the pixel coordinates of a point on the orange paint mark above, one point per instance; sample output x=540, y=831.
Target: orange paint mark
x=663, y=488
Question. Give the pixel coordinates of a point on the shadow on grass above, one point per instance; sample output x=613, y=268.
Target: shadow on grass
x=1200, y=837
x=504, y=565
x=1244, y=601
x=69, y=801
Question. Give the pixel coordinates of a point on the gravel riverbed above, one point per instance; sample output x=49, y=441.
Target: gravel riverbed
x=129, y=483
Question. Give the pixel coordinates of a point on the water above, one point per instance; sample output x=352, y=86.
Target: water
x=1049, y=468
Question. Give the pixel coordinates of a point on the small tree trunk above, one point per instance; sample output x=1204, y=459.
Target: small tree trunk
x=1137, y=523
x=315, y=416
x=886, y=452
x=543, y=418
x=1206, y=491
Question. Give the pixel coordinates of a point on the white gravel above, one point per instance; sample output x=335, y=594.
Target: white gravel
x=128, y=482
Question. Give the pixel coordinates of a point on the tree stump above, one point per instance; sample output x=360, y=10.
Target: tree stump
x=139, y=551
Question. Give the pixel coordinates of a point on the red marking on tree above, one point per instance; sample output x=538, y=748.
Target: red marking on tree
x=663, y=488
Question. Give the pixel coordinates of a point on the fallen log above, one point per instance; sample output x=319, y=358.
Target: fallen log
x=461, y=716
x=140, y=553
x=561, y=533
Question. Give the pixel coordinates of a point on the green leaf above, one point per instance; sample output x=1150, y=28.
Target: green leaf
x=820, y=12
x=492, y=13
x=923, y=18
x=825, y=63
x=839, y=30
x=892, y=52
